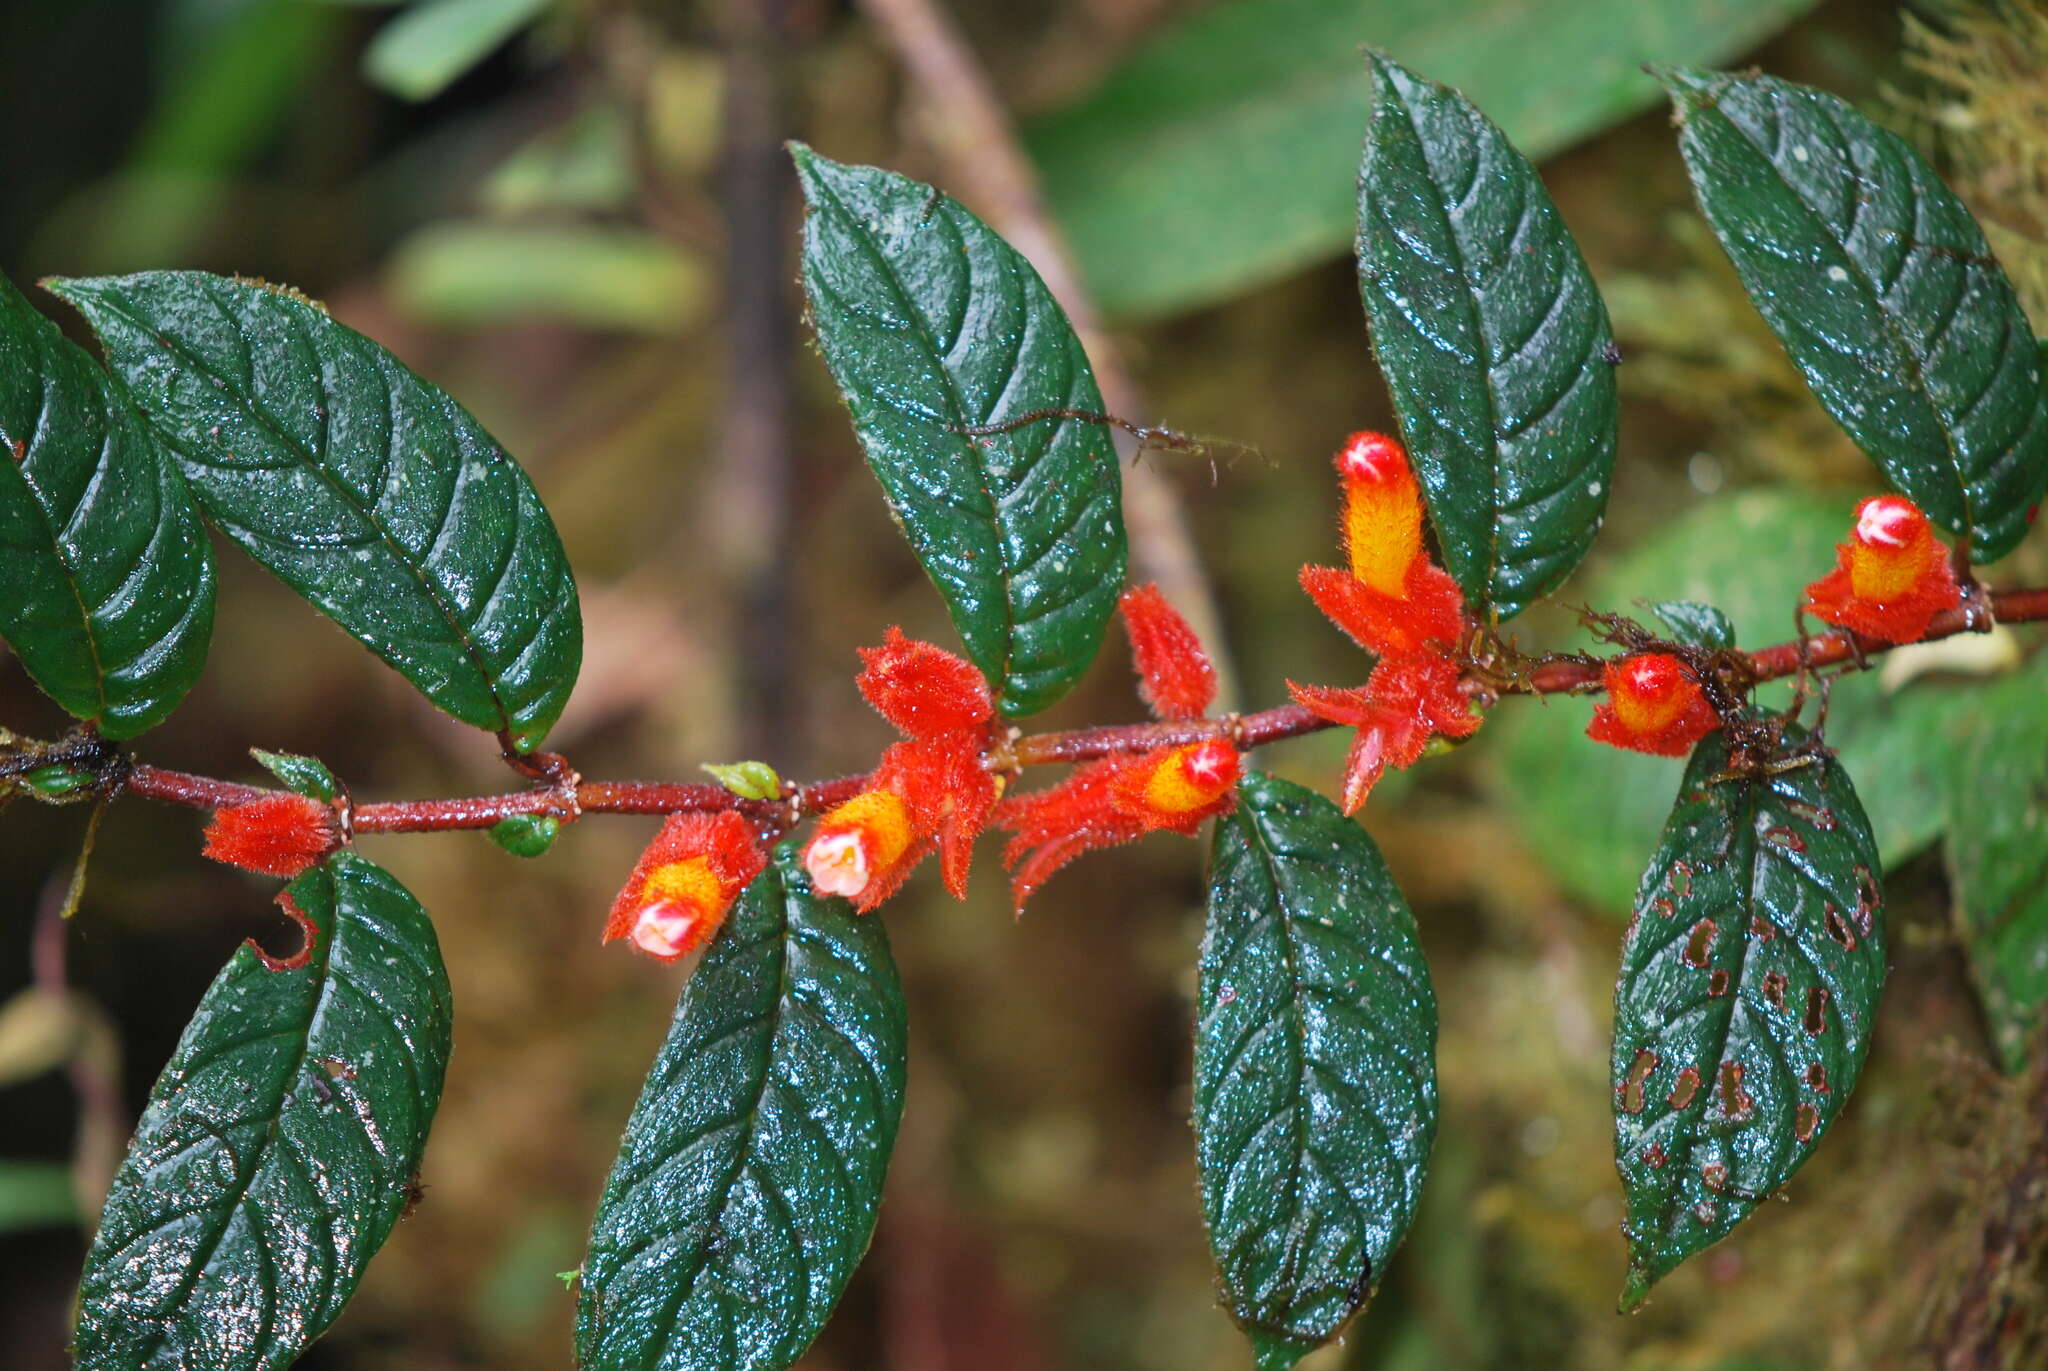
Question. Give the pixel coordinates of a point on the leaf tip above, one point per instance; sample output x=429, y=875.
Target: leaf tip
x=1277, y=1351
x=1635, y=1291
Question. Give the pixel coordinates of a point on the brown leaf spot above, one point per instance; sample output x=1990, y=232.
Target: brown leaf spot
x=1868, y=898
x=1703, y=1212
x=1688, y=1086
x=1698, y=944
x=20, y=447
x=1816, y=1020
x=1822, y=819
x=1663, y=907
x=1804, y=1121
x=1839, y=930
x=1632, y=1087
x=1817, y=1078
x=1716, y=1176
x=1717, y=985
x=1734, y=1099
x=1680, y=879
x=1774, y=989
x=1785, y=838
x=1760, y=928
x=1654, y=1155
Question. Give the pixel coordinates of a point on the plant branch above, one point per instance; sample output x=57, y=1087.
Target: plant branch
x=560, y=792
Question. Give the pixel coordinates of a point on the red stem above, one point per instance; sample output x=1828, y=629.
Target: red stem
x=571, y=798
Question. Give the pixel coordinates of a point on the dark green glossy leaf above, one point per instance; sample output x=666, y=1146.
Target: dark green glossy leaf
x=106, y=577
x=279, y=1144
x=1315, y=1067
x=1695, y=624
x=1219, y=156
x=1588, y=812
x=362, y=487
x=1882, y=289
x=747, y=1185
x=1998, y=856
x=1492, y=337
x=930, y=324
x=1747, y=997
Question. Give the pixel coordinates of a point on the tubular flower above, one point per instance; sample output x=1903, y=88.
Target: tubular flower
x=684, y=883
x=1891, y=578
x=1405, y=702
x=1176, y=678
x=1115, y=800
x=1392, y=600
x=1121, y=798
x=278, y=835
x=1653, y=705
x=930, y=791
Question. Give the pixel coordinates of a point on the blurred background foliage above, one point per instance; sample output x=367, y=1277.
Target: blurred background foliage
x=574, y=215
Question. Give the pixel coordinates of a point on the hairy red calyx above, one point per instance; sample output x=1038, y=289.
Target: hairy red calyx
x=931, y=791
x=1653, y=705
x=1891, y=578
x=1393, y=602
x=678, y=894
x=278, y=835
x=1121, y=798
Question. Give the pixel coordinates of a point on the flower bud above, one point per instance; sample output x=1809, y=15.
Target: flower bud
x=1653, y=705
x=1382, y=512
x=1891, y=578
x=1178, y=681
x=863, y=849
x=1183, y=781
x=278, y=835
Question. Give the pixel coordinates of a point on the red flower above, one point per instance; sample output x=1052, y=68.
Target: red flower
x=1117, y=799
x=1653, y=705
x=1177, y=679
x=1404, y=702
x=278, y=835
x=1121, y=798
x=684, y=883
x=931, y=791
x=1891, y=578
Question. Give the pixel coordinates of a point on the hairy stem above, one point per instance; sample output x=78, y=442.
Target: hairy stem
x=561, y=793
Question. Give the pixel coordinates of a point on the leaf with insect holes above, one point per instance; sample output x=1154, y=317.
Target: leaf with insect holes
x=1882, y=288
x=365, y=489
x=751, y=1172
x=1747, y=997
x=106, y=577
x=1492, y=337
x=1315, y=1067
x=1998, y=856
x=279, y=1145
x=931, y=324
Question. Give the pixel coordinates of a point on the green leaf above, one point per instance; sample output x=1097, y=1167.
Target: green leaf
x=526, y=835
x=1589, y=811
x=1695, y=624
x=1882, y=289
x=747, y=1184
x=304, y=775
x=931, y=324
x=476, y=274
x=279, y=1144
x=1218, y=157
x=1315, y=1067
x=364, y=488
x=106, y=577
x=36, y=1195
x=1998, y=856
x=748, y=780
x=427, y=49
x=1747, y=997
x=1492, y=337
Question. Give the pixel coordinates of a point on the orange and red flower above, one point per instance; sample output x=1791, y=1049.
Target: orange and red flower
x=1653, y=705
x=930, y=791
x=278, y=835
x=684, y=883
x=1891, y=578
x=1394, y=602
x=1121, y=798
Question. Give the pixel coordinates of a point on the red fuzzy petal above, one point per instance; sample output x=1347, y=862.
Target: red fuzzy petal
x=949, y=794
x=1431, y=618
x=1405, y=702
x=278, y=835
x=1055, y=825
x=1178, y=680
x=923, y=689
